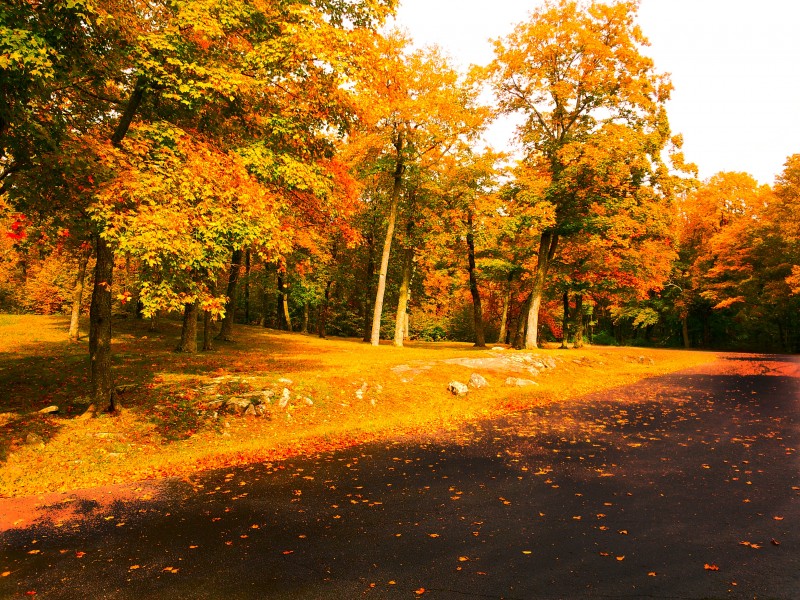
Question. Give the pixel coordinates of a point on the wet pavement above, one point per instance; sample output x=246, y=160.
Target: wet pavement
x=683, y=486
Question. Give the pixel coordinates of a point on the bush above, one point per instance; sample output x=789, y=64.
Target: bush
x=604, y=338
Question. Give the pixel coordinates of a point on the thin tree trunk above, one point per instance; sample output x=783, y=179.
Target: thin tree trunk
x=565, y=321
x=208, y=333
x=226, y=329
x=547, y=248
x=477, y=309
x=687, y=342
x=247, y=286
x=188, y=341
x=501, y=337
x=100, y=328
x=305, y=317
x=77, y=293
x=387, y=245
x=577, y=317
x=279, y=316
x=400, y=332
x=323, y=311
x=368, y=287
x=285, y=307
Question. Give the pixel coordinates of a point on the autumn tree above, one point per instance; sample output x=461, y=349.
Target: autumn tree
x=414, y=106
x=573, y=70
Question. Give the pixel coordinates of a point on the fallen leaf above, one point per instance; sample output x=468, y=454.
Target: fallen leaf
x=463, y=558
x=285, y=552
x=709, y=567
x=651, y=574
x=134, y=567
x=433, y=535
x=620, y=558
x=5, y=573
x=80, y=554
x=777, y=518
x=774, y=542
x=420, y=591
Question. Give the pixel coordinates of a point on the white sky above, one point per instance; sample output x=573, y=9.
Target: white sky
x=735, y=65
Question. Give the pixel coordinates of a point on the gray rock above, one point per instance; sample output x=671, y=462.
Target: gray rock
x=457, y=388
x=215, y=404
x=517, y=382
x=477, y=381
x=284, y=398
x=497, y=348
x=34, y=439
x=250, y=411
x=285, y=381
x=238, y=404
x=549, y=362
x=49, y=410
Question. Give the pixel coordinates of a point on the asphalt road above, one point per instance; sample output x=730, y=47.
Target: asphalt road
x=685, y=486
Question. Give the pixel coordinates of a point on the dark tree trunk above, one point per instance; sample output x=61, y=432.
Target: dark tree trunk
x=477, y=309
x=501, y=337
x=519, y=336
x=77, y=293
x=188, y=341
x=208, y=333
x=226, y=329
x=565, y=321
x=100, y=312
x=247, y=286
x=578, y=320
x=687, y=342
x=323, y=311
x=100, y=329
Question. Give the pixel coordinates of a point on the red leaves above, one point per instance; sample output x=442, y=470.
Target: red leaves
x=712, y=567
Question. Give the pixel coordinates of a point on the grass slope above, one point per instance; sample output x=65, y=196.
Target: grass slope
x=355, y=393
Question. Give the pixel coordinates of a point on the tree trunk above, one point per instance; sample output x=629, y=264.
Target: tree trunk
x=400, y=332
x=100, y=329
x=368, y=287
x=247, y=286
x=100, y=312
x=375, y=339
x=501, y=337
x=565, y=321
x=547, y=248
x=577, y=317
x=687, y=342
x=305, y=317
x=477, y=309
x=226, y=329
x=208, y=334
x=519, y=336
x=188, y=341
x=285, y=307
x=323, y=311
x=77, y=293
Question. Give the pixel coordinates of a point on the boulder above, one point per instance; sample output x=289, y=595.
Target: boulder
x=457, y=388
x=250, y=411
x=284, y=398
x=517, y=382
x=477, y=381
x=238, y=404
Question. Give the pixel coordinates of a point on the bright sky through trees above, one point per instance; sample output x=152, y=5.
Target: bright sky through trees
x=733, y=64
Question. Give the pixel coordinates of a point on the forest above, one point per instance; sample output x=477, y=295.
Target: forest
x=295, y=164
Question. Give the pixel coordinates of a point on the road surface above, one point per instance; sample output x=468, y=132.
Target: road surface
x=683, y=486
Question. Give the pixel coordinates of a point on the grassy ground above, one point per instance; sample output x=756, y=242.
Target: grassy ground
x=355, y=393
